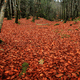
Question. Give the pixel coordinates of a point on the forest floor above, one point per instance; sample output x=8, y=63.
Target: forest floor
x=50, y=52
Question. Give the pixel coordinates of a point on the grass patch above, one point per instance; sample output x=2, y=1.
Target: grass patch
x=65, y=35
x=56, y=30
x=56, y=24
x=24, y=67
x=76, y=29
x=59, y=34
x=71, y=40
x=69, y=29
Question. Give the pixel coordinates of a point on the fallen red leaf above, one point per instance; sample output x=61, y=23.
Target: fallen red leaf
x=28, y=42
x=59, y=75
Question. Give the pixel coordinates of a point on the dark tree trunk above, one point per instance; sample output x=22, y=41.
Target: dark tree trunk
x=71, y=9
x=17, y=11
x=33, y=12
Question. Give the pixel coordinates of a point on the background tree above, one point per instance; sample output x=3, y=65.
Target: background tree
x=17, y=11
x=2, y=13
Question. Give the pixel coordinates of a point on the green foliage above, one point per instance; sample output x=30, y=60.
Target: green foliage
x=24, y=67
x=64, y=21
x=59, y=34
x=77, y=75
x=56, y=24
x=64, y=73
x=77, y=29
x=56, y=30
x=79, y=18
x=1, y=41
x=69, y=29
x=69, y=19
x=18, y=22
x=33, y=20
x=28, y=17
x=75, y=21
x=65, y=35
x=70, y=24
x=25, y=64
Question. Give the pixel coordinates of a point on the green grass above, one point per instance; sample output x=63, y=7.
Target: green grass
x=71, y=40
x=56, y=24
x=24, y=67
x=65, y=35
x=76, y=29
x=69, y=29
x=59, y=34
x=33, y=20
x=56, y=30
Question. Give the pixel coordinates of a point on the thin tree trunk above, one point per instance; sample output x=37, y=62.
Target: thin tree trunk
x=2, y=13
x=33, y=12
x=10, y=9
x=71, y=9
x=17, y=11
x=15, y=8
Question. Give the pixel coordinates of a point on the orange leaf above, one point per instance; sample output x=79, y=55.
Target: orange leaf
x=78, y=78
x=74, y=74
x=59, y=75
x=41, y=74
x=6, y=72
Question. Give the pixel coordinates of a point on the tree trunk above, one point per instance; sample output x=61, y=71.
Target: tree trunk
x=2, y=13
x=17, y=11
x=15, y=8
x=10, y=9
x=33, y=12
x=8, y=16
x=71, y=9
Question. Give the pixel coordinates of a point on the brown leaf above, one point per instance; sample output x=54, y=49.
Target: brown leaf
x=59, y=75
x=41, y=74
x=66, y=64
x=74, y=74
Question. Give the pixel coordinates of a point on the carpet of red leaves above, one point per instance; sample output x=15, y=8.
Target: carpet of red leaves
x=29, y=42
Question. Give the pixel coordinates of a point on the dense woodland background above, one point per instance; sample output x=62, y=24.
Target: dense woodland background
x=48, y=9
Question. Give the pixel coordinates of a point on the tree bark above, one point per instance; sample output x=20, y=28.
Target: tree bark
x=17, y=11
x=2, y=13
x=10, y=9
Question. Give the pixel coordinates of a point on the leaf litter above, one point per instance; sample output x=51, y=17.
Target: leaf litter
x=46, y=54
